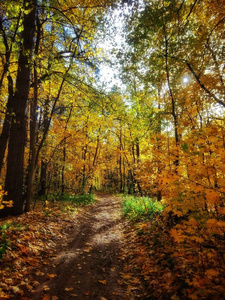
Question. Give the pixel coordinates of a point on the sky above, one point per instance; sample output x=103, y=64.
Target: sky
x=112, y=41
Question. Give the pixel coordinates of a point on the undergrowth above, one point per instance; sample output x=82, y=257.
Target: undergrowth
x=65, y=202
x=185, y=261
x=80, y=199
x=140, y=207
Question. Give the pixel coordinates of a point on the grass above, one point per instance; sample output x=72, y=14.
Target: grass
x=79, y=199
x=65, y=203
x=140, y=207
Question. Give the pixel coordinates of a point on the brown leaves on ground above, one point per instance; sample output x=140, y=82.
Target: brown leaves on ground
x=30, y=241
x=159, y=266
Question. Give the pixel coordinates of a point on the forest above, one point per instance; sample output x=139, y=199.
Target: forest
x=124, y=97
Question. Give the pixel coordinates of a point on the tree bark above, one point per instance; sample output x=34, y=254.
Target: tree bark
x=8, y=114
x=63, y=169
x=17, y=139
x=7, y=123
x=43, y=178
x=33, y=125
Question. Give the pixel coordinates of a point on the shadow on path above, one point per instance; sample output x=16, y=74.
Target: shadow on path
x=89, y=268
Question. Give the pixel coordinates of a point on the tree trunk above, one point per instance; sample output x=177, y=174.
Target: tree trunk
x=173, y=104
x=158, y=131
x=17, y=139
x=120, y=164
x=43, y=178
x=63, y=169
x=33, y=126
x=7, y=123
x=8, y=115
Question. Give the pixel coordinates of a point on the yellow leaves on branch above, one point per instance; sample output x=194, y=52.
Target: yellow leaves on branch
x=212, y=196
x=2, y=202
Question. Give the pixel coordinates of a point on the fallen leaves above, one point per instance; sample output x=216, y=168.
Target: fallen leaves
x=102, y=281
x=69, y=289
x=30, y=240
x=166, y=263
x=50, y=276
x=16, y=289
x=48, y=297
x=87, y=293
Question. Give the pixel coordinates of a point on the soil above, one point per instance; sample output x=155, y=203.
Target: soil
x=89, y=267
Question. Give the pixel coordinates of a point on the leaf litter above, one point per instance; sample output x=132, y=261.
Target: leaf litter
x=31, y=241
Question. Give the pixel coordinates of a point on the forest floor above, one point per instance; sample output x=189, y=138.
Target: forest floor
x=63, y=251
x=89, y=267
x=78, y=257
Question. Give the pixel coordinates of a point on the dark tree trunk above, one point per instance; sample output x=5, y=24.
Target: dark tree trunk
x=43, y=178
x=158, y=130
x=173, y=103
x=17, y=139
x=63, y=169
x=84, y=177
x=7, y=123
x=8, y=115
x=121, y=147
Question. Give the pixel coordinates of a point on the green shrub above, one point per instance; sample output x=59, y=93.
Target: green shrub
x=78, y=199
x=139, y=207
x=4, y=237
x=83, y=199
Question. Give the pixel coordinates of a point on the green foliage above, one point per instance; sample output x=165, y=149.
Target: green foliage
x=84, y=199
x=79, y=199
x=140, y=207
x=4, y=236
x=3, y=240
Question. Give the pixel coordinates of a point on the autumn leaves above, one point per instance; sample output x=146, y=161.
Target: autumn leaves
x=182, y=147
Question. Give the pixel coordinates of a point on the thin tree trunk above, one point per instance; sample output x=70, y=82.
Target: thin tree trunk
x=158, y=131
x=43, y=178
x=63, y=169
x=173, y=104
x=8, y=115
x=33, y=126
x=120, y=164
x=7, y=123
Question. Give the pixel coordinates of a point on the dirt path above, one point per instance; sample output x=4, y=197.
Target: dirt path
x=89, y=267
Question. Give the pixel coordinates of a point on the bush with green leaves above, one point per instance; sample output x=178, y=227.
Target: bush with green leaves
x=5, y=235
x=79, y=199
x=140, y=207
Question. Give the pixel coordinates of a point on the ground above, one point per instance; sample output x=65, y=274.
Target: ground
x=89, y=267
x=93, y=252
x=84, y=254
